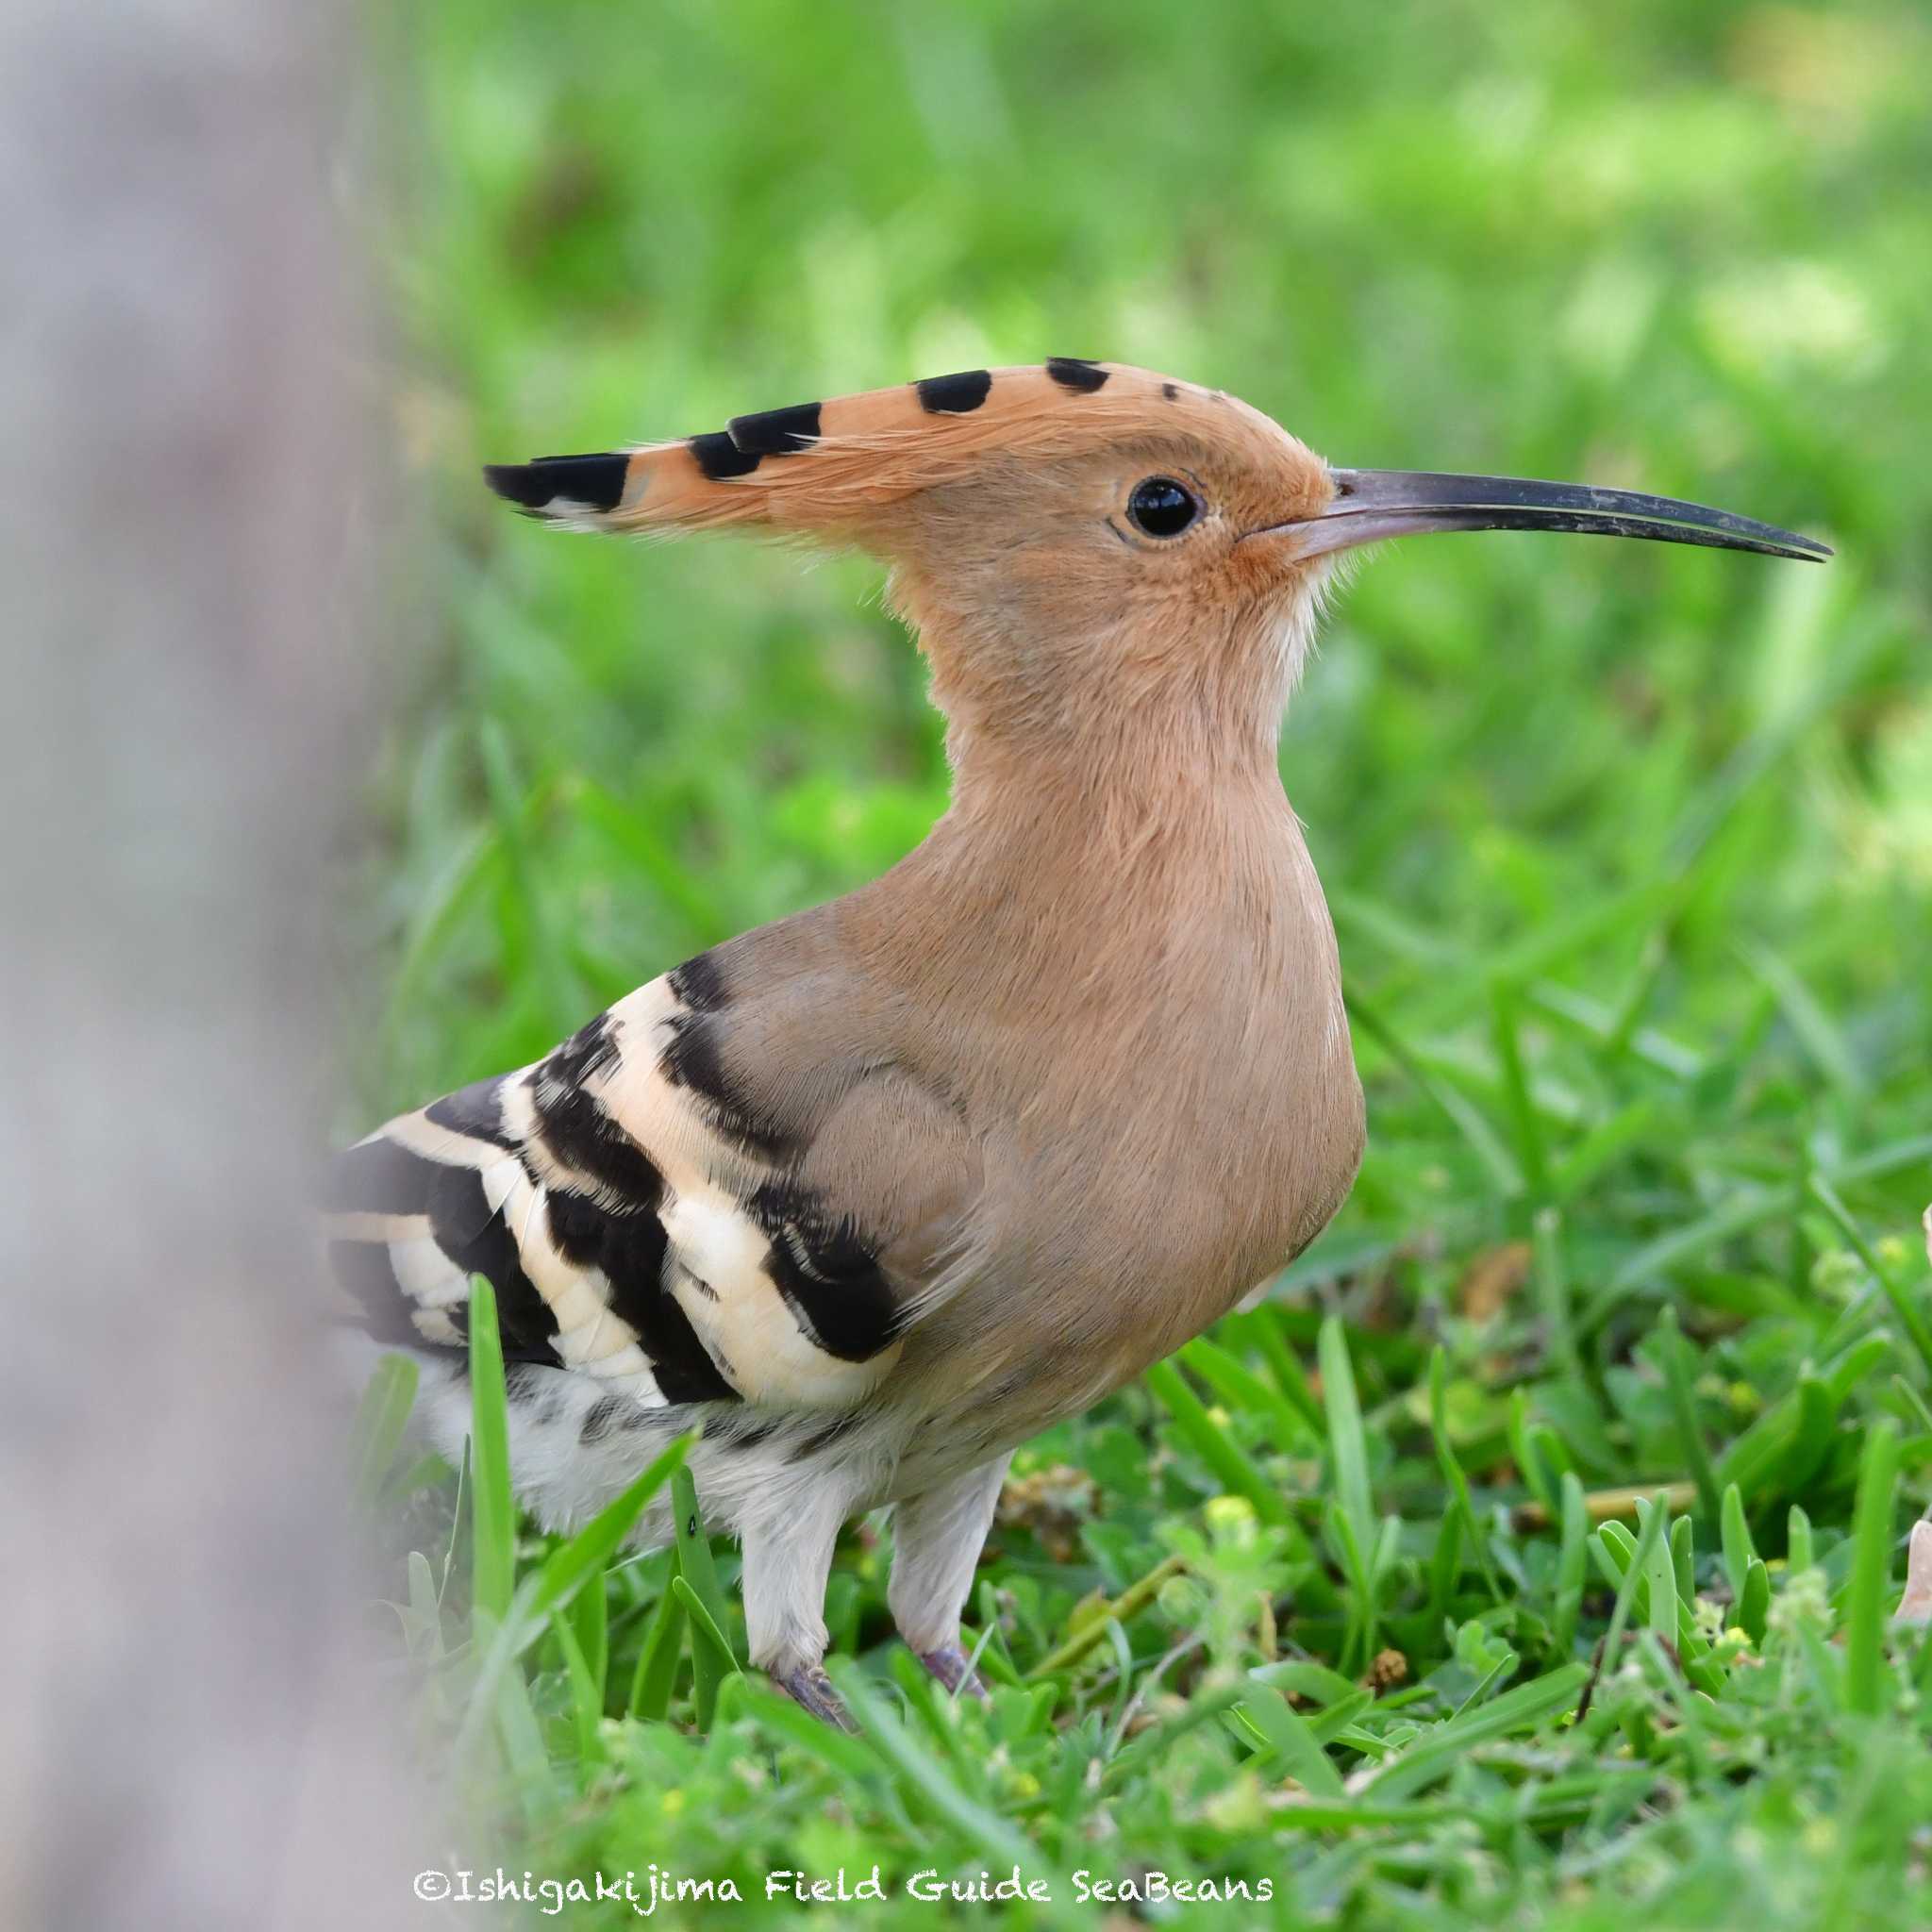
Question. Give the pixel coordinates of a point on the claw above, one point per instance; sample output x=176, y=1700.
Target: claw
x=810, y=1688
x=948, y=1664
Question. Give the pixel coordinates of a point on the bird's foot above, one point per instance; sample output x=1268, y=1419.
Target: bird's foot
x=948, y=1664
x=808, y=1687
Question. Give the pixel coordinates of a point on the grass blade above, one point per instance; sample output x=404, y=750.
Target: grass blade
x=586, y=1690
x=1434, y=1753
x=1451, y=1466
x=1315, y=1682
x=1129, y=1603
x=380, y=1420
x=694, y=1561
x=1676, y=1351
x=1869, y=1601
x=1604, y=1144
x=1660, y=1576
x=571, y=1564
x=1683, y=1561
x=1552, y=1277
x=655, y=1675
x=712, y=1659
x=1753, y=1613
x=1264, y=1326
x=1571, y=1566
x=1625, y=1575
x=1798, y=1551
x=1239, y=1388
x=909, y=1758
x=1347, y=1444
x=1656, y=1593
x=1536, y=1476
x=503, y=1639
x=1812, y=1026
x=1735, y=1534
x=841, y=1754
x=589, y=1612
x=1532, y=1155
x=492, y=1513
x=1232, y=1467
x=1482, y=1139
x=695, y=1583
x=1152, y=1746
x=1911, y=1318
x=1293, y=1744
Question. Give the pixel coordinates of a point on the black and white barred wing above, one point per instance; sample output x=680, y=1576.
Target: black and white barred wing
x=639, y=1221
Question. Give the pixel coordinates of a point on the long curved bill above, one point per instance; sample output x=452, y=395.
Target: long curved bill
x=1371, y=505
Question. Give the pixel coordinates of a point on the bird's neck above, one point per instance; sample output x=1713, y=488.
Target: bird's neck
x=1110, y=722
x=1133, y=866
x=1117, y=822
x=1114, y=780
x=1139, y=819
x=1133, y=777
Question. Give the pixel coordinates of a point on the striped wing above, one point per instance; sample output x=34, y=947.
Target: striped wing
x=639, y=1220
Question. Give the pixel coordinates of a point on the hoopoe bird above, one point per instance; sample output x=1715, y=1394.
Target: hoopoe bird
x=878, y=1191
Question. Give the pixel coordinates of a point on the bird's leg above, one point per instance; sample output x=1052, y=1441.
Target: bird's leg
x=950, y=1664
x=788, y=1557
x=807, y=1687
x=936, y=1542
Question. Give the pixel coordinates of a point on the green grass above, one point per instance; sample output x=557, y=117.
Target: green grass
x=1630, y=851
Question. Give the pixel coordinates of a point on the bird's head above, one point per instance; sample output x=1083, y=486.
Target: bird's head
x=1083, y=545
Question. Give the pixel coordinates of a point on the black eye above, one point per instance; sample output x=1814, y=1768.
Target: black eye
x=1161, y=506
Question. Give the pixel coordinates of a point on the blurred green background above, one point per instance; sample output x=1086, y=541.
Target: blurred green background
x=1629, y=846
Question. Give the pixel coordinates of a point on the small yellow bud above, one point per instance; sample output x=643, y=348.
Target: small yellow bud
x=1229, y=1512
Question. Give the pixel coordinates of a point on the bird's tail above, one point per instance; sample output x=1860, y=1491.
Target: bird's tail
x=458, y=1188
x=422, y=1206
x=453, y=1192
x=529, y=1182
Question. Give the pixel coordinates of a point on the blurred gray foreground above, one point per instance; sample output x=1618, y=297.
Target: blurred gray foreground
x=182, y=1743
